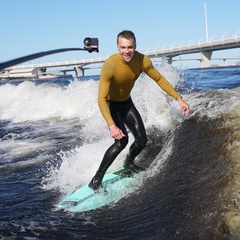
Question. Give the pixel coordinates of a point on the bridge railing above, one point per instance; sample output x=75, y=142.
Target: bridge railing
x=193, y=44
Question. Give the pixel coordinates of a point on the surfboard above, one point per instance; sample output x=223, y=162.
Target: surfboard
x=85, y=199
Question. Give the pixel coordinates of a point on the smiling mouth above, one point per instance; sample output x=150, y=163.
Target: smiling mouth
x=128, y=56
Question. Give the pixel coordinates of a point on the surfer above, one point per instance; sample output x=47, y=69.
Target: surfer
x=118, y=75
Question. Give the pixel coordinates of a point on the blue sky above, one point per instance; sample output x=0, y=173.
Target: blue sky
x=29, y=26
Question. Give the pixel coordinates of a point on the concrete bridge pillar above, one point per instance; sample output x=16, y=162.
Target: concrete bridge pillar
x=79, y=71
x=36, y=72
x=206, y=57
x=169, y=60
x=64, y=72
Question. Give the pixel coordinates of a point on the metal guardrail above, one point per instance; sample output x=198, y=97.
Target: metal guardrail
x=193, y=47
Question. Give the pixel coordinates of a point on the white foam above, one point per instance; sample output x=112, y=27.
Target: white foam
x=30, y=102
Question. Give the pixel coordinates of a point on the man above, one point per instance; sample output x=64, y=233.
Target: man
x=118, y=75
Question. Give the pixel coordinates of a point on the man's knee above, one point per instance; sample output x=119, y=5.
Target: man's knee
x=141, y=143
x=122, y=143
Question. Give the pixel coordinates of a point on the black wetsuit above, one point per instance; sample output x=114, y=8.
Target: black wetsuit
x=124, y=113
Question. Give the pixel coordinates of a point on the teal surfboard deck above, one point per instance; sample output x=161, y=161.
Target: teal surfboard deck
x=85, y=199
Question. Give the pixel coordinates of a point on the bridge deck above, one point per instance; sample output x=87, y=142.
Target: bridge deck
x=205, y=48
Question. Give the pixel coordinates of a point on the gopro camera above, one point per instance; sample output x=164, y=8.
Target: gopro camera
x=91, y=44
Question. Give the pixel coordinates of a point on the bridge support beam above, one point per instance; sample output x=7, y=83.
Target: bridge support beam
x=169, y=60
x=79, y=71
x=206, y=57
x=36, y=72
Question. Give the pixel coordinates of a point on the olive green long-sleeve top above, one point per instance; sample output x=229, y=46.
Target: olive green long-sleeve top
x=118, y=78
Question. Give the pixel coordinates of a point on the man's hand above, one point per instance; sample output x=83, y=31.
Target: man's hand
x=184, y=107
x=116, y=132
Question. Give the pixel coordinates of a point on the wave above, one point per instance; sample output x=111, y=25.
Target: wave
x=192, y=161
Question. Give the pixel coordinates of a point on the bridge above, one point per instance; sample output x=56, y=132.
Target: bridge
x=205, y=48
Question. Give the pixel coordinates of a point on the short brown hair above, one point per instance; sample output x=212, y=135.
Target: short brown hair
x=127, y=34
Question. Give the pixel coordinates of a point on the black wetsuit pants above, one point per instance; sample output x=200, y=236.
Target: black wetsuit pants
x=125, y=113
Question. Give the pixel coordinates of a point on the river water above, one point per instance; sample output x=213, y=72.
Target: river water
x=53, y=137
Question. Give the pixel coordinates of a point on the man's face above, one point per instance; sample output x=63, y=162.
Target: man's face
x=126, y=48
